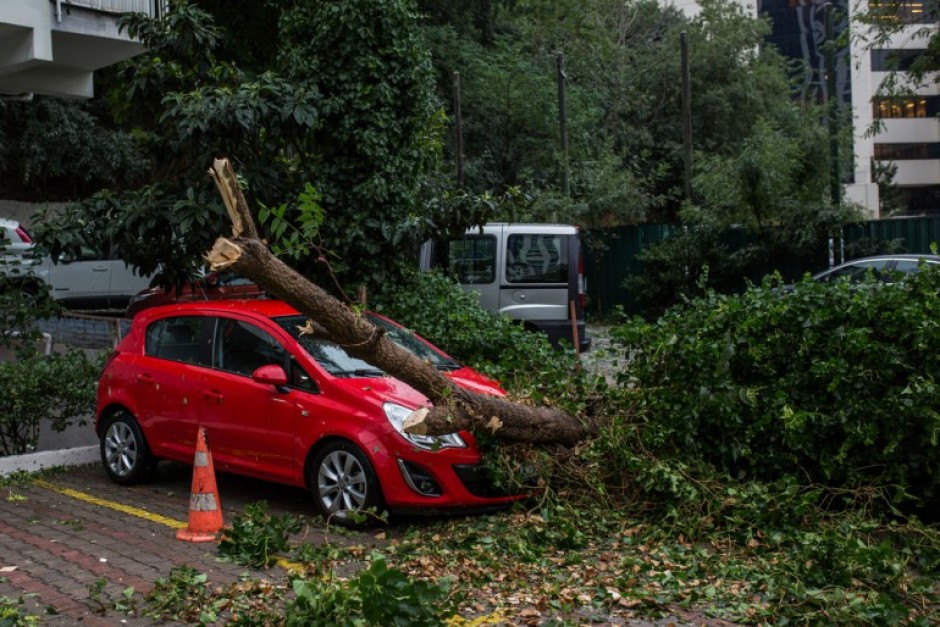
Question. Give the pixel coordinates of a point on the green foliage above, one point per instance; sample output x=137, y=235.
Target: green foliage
x=294, y=242
x=256, y=537
x=438, y=309
x=378, y=595
x=55, y=388
x=376, y=135
x=184, y=595
x=14, y=614
x=60, y=149
x=828, y=383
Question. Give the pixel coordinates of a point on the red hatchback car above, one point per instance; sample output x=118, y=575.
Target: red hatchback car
x=282, y=407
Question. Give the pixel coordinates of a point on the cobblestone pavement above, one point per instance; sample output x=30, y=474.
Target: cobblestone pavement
x=60, y=535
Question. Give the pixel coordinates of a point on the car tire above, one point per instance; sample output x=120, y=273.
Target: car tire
x=344, y=483
x=124, y=451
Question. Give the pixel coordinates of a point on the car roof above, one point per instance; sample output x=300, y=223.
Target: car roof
x=927, y=256
x=260, y=306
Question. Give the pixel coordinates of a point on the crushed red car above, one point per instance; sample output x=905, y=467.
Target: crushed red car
x=282, y=406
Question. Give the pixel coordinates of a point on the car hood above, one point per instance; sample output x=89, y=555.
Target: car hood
x=390, y=389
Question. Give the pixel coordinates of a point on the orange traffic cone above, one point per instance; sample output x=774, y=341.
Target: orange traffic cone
x=205, y=509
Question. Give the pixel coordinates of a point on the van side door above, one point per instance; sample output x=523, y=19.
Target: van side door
x=535, y=282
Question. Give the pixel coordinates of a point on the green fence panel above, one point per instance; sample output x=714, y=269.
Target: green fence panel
x=610, y=254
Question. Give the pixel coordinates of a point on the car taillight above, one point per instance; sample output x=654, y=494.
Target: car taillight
x=582, y=284
x=24, y=235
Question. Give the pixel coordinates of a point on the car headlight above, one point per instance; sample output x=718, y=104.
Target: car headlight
x=396, y=415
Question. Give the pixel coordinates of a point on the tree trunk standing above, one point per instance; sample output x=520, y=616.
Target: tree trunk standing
x=454, y=407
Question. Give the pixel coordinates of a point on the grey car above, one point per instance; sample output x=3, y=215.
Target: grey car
x=887, y=268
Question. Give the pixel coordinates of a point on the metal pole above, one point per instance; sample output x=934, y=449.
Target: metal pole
x=458, y=129
x=686, y=113
x=832, y=104
x=563, y=122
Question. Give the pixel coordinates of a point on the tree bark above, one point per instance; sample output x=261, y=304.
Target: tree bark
x=454, y=408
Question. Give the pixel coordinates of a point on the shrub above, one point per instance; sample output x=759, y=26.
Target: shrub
x=439, y=310
x=57, y=388
x=829, y=383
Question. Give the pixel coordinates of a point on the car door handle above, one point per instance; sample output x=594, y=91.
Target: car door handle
x=212, y=395
x=145, y=378
x=99, y=269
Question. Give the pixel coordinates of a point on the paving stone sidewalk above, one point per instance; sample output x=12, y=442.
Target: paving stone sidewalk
x=54, y=547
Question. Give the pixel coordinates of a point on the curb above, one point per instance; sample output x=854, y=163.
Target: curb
x=35, y=462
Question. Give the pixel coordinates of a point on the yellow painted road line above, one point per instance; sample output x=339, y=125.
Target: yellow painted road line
x=287, y=565
x=126, y=509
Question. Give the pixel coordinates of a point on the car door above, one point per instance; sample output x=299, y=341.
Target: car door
x=250, y=425
x=535, y=283
x=82, y=280
x=123, y=280
x=169, y=386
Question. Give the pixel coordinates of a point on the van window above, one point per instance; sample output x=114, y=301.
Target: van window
x=537, y=258
x=470, y=259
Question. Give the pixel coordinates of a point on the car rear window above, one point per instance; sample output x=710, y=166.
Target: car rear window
x=183, y=338
x=537, y=258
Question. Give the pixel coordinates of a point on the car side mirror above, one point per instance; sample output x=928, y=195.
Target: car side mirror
x=272, y=374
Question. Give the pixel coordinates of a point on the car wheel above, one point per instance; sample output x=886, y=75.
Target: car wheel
x=344, y=483
x=124, y=451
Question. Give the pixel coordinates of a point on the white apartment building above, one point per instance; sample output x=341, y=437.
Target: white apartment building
x=53, y=47
x=908, y=130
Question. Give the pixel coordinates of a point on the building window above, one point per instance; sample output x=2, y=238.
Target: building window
x=891, y=60
x=898, y=152
x=904, y=11
x=922, y=199
x=913, y=107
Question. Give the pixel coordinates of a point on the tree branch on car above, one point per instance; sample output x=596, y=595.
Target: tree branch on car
x=454, y=408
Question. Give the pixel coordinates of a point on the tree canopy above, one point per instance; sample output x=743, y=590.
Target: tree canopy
x=354, y=99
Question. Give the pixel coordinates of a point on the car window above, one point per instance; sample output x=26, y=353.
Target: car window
x=242, y=347
x=181, y=338
x=909, y=266
x=857, y=271
x=470, y=259
x=537, y=258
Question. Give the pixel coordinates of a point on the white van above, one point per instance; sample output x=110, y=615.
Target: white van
x=530, y=272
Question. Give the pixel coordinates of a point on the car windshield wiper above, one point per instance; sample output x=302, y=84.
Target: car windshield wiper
x=359, y=372
x=449, y=366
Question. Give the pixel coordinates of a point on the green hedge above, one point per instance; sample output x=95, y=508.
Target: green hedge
x=832, y=384
x=58, y=388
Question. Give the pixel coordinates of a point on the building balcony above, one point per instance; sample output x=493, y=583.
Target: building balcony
x=53, y=47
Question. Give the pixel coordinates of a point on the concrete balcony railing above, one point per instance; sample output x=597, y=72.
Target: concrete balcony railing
x=153, y=8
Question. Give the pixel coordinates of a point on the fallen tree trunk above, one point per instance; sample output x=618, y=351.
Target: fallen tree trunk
x=454, y=408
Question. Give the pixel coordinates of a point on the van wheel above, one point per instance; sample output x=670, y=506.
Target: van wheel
x=344, y=484
x=124, y=451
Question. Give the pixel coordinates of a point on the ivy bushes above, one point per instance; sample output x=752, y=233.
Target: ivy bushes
x=828, y=384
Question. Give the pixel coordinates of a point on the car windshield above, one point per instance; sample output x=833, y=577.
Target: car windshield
x=339, y=363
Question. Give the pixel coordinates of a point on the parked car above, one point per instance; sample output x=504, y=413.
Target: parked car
x=887, y=268
x=91, y=280
x=14, y=240
x=532, y=273
x=284, y=407
x=213, y=286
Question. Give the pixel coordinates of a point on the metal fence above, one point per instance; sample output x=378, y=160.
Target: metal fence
x=610, y=254
x=84, y=330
